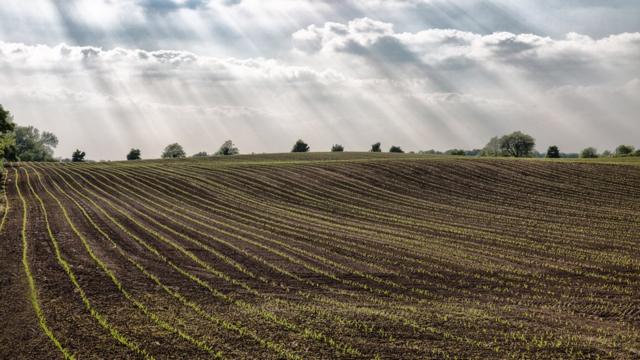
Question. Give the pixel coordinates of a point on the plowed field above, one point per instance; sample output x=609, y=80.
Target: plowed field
x=346, y=258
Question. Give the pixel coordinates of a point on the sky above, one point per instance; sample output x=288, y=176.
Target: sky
x=108, y=75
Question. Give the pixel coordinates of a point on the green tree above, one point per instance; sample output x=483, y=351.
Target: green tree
x=553, y=152
x=7, y=148
x=134, y=154
x=337, y=148
x=228, y=149
x=517, y=144
x=396, y=149
x=6, y=139
x=6, y=127
x=377, y=147
x=173, y=151
x=78, y=156
x=300, y=146
x=31, y=145
x=200, y=154
x=624, y=150
x=492, y=148
x=636, y=153
x=589, y=153
x=6, y=121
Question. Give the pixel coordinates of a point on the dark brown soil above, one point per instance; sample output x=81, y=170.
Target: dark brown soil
x=396, y=259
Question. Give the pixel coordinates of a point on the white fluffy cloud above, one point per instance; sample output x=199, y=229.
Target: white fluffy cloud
x=85, y=61
x=444, y=49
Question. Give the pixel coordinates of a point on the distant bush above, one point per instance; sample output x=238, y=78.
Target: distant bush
x=624, y=150
x=396, y=149
x=377, y=147
x=553, y=152
x=337, y=148
x=569, y=155
x=300, y=146
x=589, y=153
x=606, y=153
x=430, y=152
x=134, y=154
x=456, y=152
x=227, y=148
x=78, y=156
x=200, y=154
x=636, y=153
x=173, y=151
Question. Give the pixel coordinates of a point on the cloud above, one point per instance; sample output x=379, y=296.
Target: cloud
x=255, y=28
x=162, y=6
x=167, y=6
x=432, y=50
x=132, y=63
x=362, y=35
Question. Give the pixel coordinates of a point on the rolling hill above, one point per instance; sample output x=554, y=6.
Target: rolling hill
x=321, y=256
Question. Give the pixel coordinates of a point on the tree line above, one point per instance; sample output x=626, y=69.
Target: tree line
x=519, y=144
x=176, y=151
x=26, y=143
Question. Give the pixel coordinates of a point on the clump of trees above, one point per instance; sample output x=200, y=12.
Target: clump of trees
x=228, y=149
x=453, y=152
x=173, y=151
x=620, y=151
x=396, y=149
x=337, y=148
x=553, y=152
x=29, y=144
x=624, y=150
x=516, y=144
x=300, y=146
x=492, y=148
x=456, y=152
x=6, y=128
x=377, y=147
x=78, y=156
x=24, y=143
x=134, y=154
x=200, y=154
x=589, y=153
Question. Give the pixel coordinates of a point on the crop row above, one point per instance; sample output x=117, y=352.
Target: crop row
x=207, y=266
